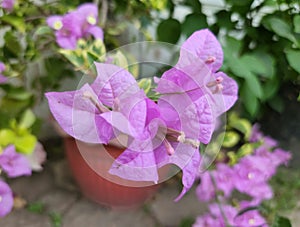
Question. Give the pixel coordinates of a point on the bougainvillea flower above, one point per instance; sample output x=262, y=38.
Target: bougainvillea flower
x=252, y=175
x=13, y=163
x=205, y=190
x=67, y=30
x=79, y=114
x=140, y=119
x=249, y=218
x=75, y=25
x=88, y=14
x=223, y=177
x=196, y=74
x=3, y=79
x=204, y=45
x=8, y=4
x=6, y=199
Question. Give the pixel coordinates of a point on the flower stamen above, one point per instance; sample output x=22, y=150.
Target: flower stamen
x=217, y=83
x=168, y=146
x=210, y=59
x=99, y=106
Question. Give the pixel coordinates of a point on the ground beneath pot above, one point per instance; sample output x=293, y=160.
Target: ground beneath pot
x=53, y=200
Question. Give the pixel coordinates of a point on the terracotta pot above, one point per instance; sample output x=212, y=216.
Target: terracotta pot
x=90, y=164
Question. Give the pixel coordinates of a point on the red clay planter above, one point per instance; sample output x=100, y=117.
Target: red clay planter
x=90, y=164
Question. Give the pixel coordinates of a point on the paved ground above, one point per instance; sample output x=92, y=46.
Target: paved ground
x=54, y=190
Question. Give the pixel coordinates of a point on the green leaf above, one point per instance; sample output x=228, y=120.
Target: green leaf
x=169, y=31
x=297, y=23
x=145, y=84
x=270, y=88
x=293, y=57
x=249, y=100
x=42, y=30
x=281, y=28
x=12, y=43
x=231, y=139
x=254, y=85
x=18, y=93
x=268, y=62
x=133, y=67
x=280, y=221
x=75, y=57
x=120, y=59
x=232, y=47
x=244, y=150
x=17, y=22
x=239, y=67
x=194, y=22
x=224, y=19
x=195, y=4
x=242, y=125
x=254, y=64
x=7, y=137
x=233, y=159
x=27, y=119
x=25, y=144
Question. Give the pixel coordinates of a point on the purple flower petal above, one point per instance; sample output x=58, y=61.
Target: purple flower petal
x=88, y=12
x=249, y=218
x=136, y=166
x=8, y=4
x=204, y=45
x=69, y=42
x=190, y=171
x=205, y=190
x=113, y=82
x=13, y=163
x=78, y=115
x=6, y=199
x=55, y=22
x=95, y=31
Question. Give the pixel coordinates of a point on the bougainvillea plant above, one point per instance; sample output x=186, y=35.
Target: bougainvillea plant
x=168, y=130
x=238, y=182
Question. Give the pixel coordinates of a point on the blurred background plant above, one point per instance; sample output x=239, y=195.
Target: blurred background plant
x=261, y=42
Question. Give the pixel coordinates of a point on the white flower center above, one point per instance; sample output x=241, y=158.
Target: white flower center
x=91, y=20
x=57, y=25
x=251, y=221
x=250, y=176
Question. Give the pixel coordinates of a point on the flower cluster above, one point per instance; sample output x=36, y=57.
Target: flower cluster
x=75, y=25
x=249, y=176
x=20, y=154
x=191, y=96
